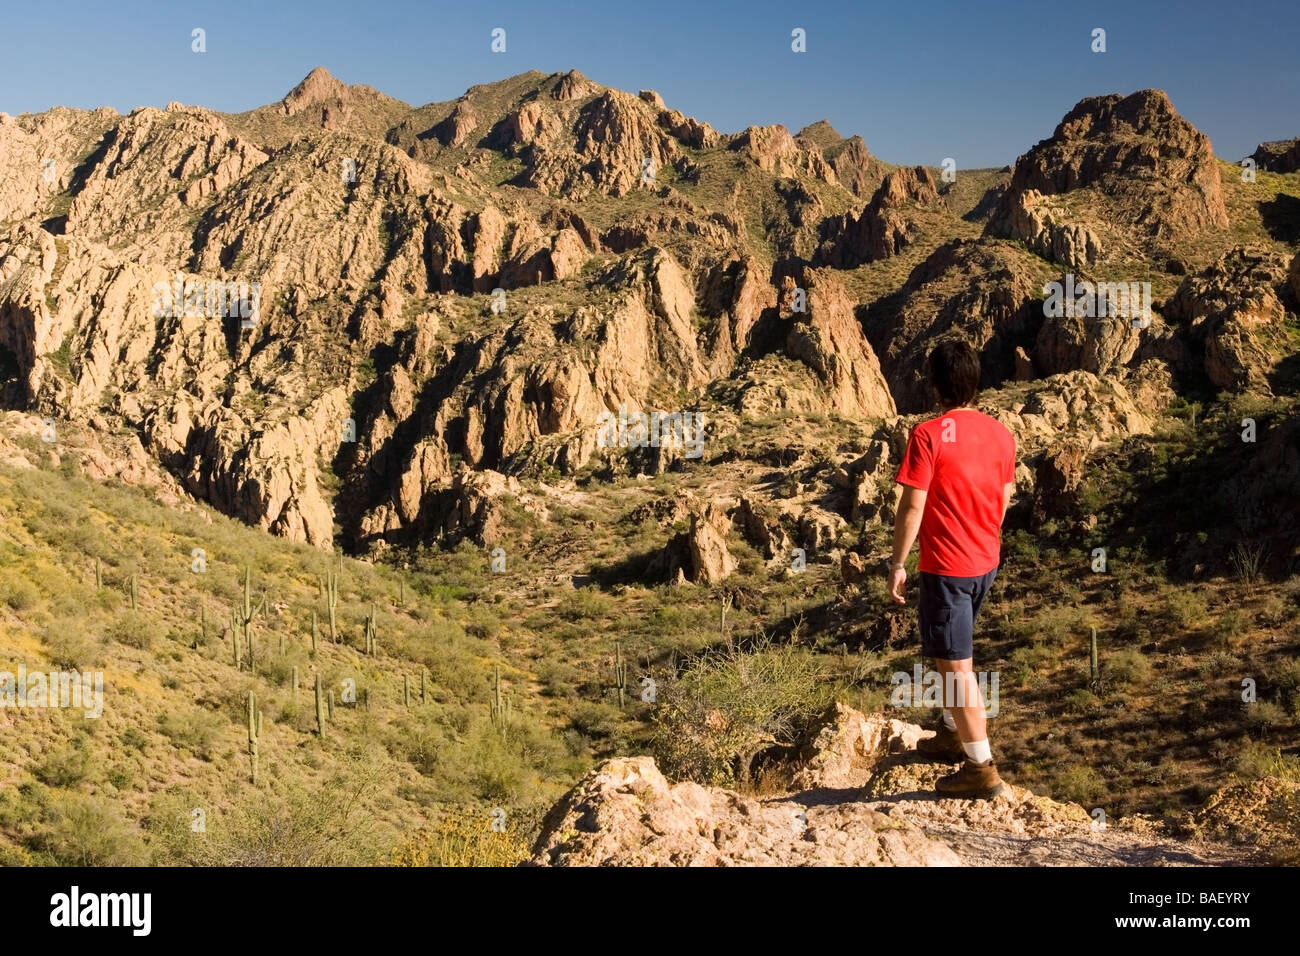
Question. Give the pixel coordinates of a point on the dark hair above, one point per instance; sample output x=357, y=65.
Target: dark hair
x=954, y=371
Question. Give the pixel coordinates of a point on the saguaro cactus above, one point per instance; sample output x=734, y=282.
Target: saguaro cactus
x=99, y=574
x=254, y=731
x=1094, y=668
x=499, y=709
x=320, y=709
x=234, y=638
x=406, y=690
x=315, y=630
x=372, y=630
x=332, y=602
x=295, y=688
x=247, y=613
x=133, y=591
x=331, y=703
x=620, y=673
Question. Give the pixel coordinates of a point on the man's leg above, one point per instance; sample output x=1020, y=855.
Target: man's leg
x=935, y=620
x=962, y=698
x=978, y=777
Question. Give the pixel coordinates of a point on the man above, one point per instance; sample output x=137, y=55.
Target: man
x=958, y=475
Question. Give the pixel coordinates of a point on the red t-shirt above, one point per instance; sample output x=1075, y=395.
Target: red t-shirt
x=962, y=460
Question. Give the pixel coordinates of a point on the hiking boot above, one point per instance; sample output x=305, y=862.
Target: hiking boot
x=974, y=781
x=945, y=745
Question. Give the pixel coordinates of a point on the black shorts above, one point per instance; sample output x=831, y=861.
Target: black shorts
x=947, y=611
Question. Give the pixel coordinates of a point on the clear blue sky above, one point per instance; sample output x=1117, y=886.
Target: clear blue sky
x=919, y=81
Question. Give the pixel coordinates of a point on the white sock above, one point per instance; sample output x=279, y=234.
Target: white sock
x=947, y=719
x=977, y=751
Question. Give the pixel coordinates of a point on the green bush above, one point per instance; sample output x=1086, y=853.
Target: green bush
x=69, y=648
x=1126, y=666
x=65, y=765
x=195, y=730
x=136, y=629
x=80, y=830
x=723, y=710
x=1079, y=784
x=19, y=593
x=1185, y=609
x=324, y=825
x=1264, y=715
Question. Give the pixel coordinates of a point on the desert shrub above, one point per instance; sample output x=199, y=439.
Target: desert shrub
x=322, y=825
x=1079, y=784
x=66, y=764
x=69, y=648
x=723, y=710
x=1264, y=715
x=194, y=729
x=1057, y=625
x=1126, y=666
x=1231, y=623
x=1247, y=560
x=1082, y=701
x=1258, y=760
x=136, y=629
x=1185, y=609
x=418, y=741
x=80, y=830
x=462, y=840
x=587, y=603
x=19, y=593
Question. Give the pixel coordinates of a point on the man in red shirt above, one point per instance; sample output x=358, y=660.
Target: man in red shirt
x=958, y=475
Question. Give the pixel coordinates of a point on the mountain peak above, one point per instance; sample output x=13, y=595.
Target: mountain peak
x=821, y=132
x=317, y=86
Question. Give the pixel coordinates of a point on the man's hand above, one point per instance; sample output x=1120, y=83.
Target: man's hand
x=898, y=584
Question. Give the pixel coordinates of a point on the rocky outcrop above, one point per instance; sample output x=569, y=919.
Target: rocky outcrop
x=1146, y=168
x=986, y=292
x=1057, y=480
x=1279, y=156
x=883, y=228
x=1074, y=404
x=318, y=88
x=700, y=554
x=625, y=813
x=1100, y=343
x=613, y=142
x=1030, y=217
x=706, y=542
x=829, y=340
x=848, y=747
x=1232, y=311
x=860, y=801
x=773, y=150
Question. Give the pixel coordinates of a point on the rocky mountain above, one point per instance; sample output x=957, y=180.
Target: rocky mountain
x=638, y=254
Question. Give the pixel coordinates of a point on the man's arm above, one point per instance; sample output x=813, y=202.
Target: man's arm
x=907, y=522
x=1008, y=491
